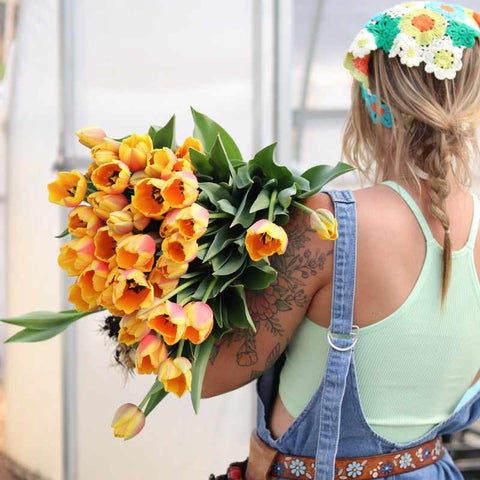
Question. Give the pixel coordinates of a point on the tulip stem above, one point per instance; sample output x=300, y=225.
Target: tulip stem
x=300, y=206
x=184, y=301
x=271, y=207
x=219, y=215
x=181, y=343
x=147, y=396
x=203, y=246
x=183, y=286
x=209, y=289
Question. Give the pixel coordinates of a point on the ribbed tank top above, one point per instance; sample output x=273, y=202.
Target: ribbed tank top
x=414, y=366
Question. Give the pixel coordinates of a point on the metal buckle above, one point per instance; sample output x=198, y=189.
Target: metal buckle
x=343, y=349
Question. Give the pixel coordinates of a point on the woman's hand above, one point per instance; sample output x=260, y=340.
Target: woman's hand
x=243, y=355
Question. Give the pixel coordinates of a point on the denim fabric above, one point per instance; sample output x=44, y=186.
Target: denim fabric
x=333, y=424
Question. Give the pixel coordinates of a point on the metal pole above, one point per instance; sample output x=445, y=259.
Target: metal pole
x=282, y=103
x=69, y=360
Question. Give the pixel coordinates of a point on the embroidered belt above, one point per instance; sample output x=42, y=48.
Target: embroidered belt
x=361, y=468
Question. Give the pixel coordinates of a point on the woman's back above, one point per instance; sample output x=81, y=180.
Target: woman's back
x=413, y=362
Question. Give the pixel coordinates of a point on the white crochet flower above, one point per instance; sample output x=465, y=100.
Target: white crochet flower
x=363, y=44
x=443, y=58
x=406, y=47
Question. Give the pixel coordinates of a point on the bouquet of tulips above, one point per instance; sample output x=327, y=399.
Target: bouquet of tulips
x=167, y=238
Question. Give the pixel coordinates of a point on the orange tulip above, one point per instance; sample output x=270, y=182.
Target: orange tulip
x=178, y=249
x=75, y=297
x=120, y=223
x=150, y=354
x=190, y=142
x=170, y=269
x=132, y=329
x=106, y=151
x=140, y=221
x=135, y=151
x=162, y=286
x=76, y=255
x=68, y=190
x=92, y=282
x=137, y=177
x=91, y=136
x=148, y=199
x=199, y=322
x=168, y=319
x=264, y=238
x=136, y=251
x=105, y=203
x=83, y=221
x=91, y=167
x=105, y=245
x=180, y=190
x=111, y=177
x=161, y=163
x=132, y=291
x=176, y=375
x=106, y=297
x=128, y=421
x=191, y=222
x=324, y=223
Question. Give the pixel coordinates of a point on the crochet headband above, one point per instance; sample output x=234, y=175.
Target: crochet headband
x=432, y=33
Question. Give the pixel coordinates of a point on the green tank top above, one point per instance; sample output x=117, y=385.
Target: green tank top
x=415, y=365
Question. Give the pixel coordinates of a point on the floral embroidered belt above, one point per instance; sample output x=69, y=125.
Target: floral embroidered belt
x=361, y=468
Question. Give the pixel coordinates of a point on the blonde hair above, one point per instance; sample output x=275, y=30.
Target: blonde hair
x=434, y=122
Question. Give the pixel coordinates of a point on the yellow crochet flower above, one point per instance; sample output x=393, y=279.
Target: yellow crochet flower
x=423, y=25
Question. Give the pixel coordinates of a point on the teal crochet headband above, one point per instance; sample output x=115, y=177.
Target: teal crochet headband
x=432, y=33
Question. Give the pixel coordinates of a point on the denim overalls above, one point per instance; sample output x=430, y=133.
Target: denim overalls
x=333, y=424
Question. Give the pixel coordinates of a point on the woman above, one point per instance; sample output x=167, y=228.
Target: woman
x=374, y=338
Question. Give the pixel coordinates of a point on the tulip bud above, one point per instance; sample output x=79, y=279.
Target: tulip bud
x=176, y=375
x=135, y=151
x=324, y=223
x=91, y=136
x=128, y=421
x=120, y=223
x=105, y=203
x=151, y=352
x=106, y=151
x=199, y=322
x=132, y=329
x=264, y=238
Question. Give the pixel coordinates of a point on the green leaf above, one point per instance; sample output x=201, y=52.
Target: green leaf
x=220, y=259
x=320, y=175
x=202, y=288
x=264, y=160
x=44, y=320
x=216, y=305
x=207, y=131
x=202, y=354
x=258, y=277
x=238, y=313
x=225, y=206
x=215, y=192
x=261, y=202
x=231, y=266
x=243, y=177
x=201, y=162
x=163, y=136
x=222, y=168
x=303, y=183
x=156, y=395
x=224, y=237
x=224, y=282
x=30, y=335
x=243, y=216
x=285, y=196
x=63, y=234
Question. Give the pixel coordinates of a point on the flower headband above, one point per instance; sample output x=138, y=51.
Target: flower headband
x=433, y=33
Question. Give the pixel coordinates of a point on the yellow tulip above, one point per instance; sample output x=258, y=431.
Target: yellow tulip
x=184, y=150
x=169, y=269
x=162, y=286
x=137, y=177
x=75, y=296
x=324, y=223
x=178, y=249
x=120, y=223
x=199, y=322
x=161, y=163
x=140, y=221
x=168, y=319
x=105, y=203
x=76, y=255
x=106, y=151
x=106, y=297
x=92, y=282
x=180, y=190
x=135, y=151
x=191, y=222
x=105, y=245
x=128, y=421
x=148, y=199
x=91, y=136
x=68, y=190
x=111, y=177
x=132, y=329
x=132, y=291
x=264, y=238
x=83, y=221
x=136, y=251
x=176, y=375
x=151, y=352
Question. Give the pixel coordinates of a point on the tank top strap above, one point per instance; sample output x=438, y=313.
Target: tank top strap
x=472, y=235
x=340, y=337
x=415, y=209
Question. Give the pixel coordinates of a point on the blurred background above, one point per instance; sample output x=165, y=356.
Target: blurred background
x=265, y=69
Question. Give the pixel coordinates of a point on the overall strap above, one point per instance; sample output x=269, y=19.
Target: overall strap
x=340, y=336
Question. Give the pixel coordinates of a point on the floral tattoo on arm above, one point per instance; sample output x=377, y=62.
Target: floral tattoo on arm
x=294, y=269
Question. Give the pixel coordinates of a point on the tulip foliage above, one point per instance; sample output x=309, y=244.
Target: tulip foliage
x=168, y=238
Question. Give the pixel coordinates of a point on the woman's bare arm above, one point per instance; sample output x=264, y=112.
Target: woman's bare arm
x=242, y=355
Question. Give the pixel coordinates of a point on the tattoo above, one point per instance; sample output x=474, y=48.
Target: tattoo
x=285, y=294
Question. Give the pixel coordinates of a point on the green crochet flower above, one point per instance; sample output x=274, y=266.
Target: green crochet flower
x=461, y=34
x=385, y=31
